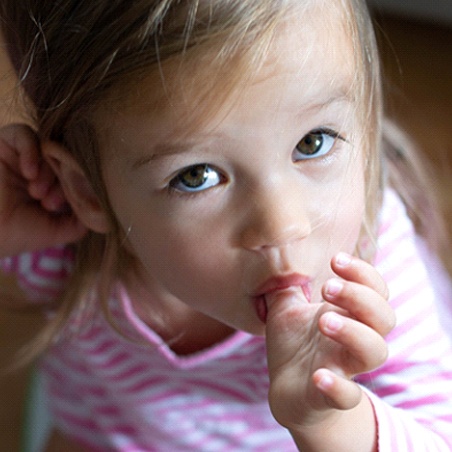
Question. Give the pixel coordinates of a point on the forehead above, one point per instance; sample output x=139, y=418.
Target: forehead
x=312, y=45
x=316, y=48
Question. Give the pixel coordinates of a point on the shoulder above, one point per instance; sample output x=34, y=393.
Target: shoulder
x=396, y=237
x=42, y=274
x=398, y=258
x=418, y=284
x=393, y=220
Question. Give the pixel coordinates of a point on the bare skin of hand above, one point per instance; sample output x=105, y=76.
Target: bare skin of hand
x=33, y=211
x=314, y=350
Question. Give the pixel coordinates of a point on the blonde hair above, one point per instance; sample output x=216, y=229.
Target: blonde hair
x=72, y=55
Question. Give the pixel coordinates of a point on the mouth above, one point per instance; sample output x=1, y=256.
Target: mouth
x=294, y=283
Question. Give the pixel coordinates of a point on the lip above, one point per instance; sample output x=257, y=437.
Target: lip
x=284, y=282
x=279, y=283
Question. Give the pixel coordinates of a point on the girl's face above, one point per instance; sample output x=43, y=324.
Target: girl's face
x=260, y=197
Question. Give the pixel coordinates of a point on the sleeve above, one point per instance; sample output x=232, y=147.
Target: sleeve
x=43, y=274
x=412, y=392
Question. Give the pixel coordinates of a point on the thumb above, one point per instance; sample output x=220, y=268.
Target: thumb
x=290, y=324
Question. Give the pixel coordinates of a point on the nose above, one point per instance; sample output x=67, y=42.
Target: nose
x=275, y=216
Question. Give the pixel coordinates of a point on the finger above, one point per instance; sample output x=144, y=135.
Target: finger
x=354, y=269
x=41, y=185
x=55, y=201
x=66, y=229
x=23, y=140
x=362, y=303
x=363, y=349
x=340, y=393
x=59, y=230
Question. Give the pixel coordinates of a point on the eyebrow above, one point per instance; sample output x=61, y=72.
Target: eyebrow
x=340, y=95
x=165, y=149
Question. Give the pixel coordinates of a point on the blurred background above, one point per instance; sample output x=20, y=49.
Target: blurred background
x=416, y=46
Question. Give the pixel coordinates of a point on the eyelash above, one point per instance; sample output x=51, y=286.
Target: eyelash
x=323, y=131
x=209, y=172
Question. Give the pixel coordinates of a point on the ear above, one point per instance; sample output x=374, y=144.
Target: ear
x=76, y=187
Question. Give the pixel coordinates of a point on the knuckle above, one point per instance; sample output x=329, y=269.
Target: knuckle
x=390, y=322
x=385, y=290
x=382, y=355
x=375, y=358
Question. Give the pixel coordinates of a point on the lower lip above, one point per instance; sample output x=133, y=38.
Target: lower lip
x=261, y=308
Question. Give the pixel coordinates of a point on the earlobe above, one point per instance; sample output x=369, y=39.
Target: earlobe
x=76, y=187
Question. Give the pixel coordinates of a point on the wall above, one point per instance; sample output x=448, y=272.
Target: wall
x=434, y=10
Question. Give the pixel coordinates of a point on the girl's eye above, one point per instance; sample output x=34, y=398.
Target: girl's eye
x=196, y=178
x=316, y=143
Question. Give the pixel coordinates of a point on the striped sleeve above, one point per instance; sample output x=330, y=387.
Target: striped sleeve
x=43, y=274
x=412, y=392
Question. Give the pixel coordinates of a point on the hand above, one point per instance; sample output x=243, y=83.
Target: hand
x=33, y=211
x=315, y=349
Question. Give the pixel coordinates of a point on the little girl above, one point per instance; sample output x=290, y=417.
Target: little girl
x=237, y=239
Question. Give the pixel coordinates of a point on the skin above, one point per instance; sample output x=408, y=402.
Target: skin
x=265, y=212
x=31, y=198
x=271, y=213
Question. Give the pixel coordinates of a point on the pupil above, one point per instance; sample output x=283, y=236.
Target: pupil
x=195, y=176
x=313, y=142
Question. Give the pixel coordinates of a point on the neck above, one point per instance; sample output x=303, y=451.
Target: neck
x=184, y=329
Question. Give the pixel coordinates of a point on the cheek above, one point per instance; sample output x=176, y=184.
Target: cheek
x=183, y=250
x=353, y=208
x=182, y=258
x=344, y=207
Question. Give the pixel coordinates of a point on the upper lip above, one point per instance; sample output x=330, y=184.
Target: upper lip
x=282, y=282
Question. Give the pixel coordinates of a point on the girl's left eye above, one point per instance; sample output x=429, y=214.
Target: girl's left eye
x=316, y=143
x=196, y=178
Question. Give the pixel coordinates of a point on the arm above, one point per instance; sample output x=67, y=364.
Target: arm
x=58, y=442
x=407, y=405
x=411, y=393
x=33, y=216
x=352, y=430
x=314, y=350
x=41, y=276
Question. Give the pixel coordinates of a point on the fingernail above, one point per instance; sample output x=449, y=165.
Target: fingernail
x=333, y=287
x=343, y=259
x=325, y=381
x=333, y=322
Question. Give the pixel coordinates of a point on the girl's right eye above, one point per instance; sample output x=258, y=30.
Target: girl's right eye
x=196, y=178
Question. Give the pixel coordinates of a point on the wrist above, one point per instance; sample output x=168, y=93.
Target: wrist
x=339, y=430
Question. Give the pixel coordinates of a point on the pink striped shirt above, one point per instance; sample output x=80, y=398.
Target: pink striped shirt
x=134, y=394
